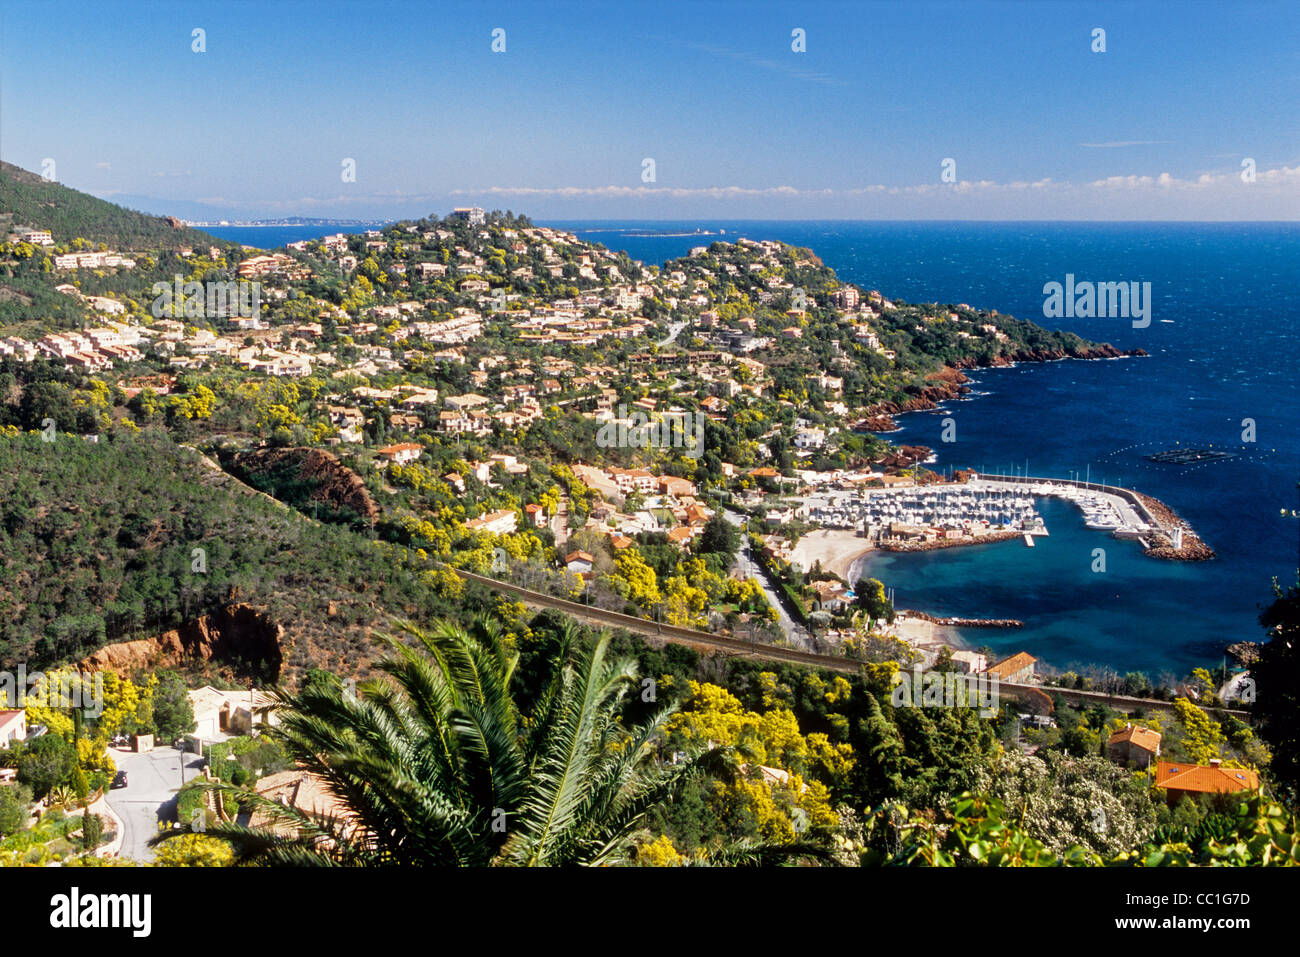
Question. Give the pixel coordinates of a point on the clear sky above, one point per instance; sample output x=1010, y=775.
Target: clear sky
x=1039, y=126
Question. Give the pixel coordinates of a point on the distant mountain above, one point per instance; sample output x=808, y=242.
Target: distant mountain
x=292, y=221
x=181, y=208
x=197, y=212
x=29, y=201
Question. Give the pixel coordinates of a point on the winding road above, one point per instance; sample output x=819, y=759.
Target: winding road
x=674, y=330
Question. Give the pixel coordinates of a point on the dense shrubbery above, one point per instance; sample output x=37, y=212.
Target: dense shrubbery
x=98, y=544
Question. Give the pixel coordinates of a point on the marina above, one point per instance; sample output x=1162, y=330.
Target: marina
x=977, y=509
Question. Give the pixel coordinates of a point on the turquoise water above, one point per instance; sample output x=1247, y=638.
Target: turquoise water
x=1227, y=353
x=1223, y=349
x=1074, y=615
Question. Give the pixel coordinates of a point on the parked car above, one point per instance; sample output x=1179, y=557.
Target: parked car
x=119, y=780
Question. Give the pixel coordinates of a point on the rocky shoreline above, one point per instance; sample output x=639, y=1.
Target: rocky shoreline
x=965, y=622
x=950, y=382
x=949, y=542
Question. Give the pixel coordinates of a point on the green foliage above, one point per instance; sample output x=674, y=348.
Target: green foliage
x=437, y=765
x=85, y=562
x=192, y=805
x=46, y=763
x=977, y=832
x=194, y=850
x=92, y=830
x=80, y=786
x=974, y=833
x=870, y=594
x=719, y=536
x=1277, y=689
x=14, y=802
x=1063, y=801
x=173, y=713
x=30, y=200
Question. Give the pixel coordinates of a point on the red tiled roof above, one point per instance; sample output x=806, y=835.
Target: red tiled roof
x=1144, y=738
x=1009, y=666
x=1204, y=779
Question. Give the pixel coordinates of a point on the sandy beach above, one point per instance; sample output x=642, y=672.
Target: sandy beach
x=836, y=549
x=920, y=631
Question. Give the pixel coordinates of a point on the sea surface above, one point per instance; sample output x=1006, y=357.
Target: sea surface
x=1223, y=349
x=273, y=237
x=1223, y=344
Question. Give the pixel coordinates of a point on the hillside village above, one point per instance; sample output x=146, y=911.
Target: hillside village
x=352, y=428
x=471, y=369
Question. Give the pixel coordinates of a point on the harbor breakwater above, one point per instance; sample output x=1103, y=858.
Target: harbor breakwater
x=939, y=543
x=1156, y=544
x=965, y=622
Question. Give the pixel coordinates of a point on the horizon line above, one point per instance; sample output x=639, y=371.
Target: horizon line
x=819, y=219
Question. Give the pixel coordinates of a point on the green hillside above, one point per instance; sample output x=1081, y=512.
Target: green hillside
x=28, y=201
x=97, y=544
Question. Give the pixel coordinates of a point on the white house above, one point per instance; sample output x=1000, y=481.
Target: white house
x=579, y=562
x=403, y=453
x=221, y=713
x=13, y=727
x=501, y=521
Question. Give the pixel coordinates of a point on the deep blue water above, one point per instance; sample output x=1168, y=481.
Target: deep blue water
x=1228, y=353
x=272, y=237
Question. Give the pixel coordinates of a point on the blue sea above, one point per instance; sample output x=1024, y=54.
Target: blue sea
x=273, y=237
x=1222, y=350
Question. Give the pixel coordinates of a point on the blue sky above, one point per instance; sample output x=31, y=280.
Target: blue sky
x=738, y=125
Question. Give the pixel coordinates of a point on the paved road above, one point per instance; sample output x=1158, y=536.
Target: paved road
x=752, y=569
x=153, y=778
x=674, y=329
x=560, y=524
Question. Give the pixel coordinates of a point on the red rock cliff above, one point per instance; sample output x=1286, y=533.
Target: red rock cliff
x=235, y=632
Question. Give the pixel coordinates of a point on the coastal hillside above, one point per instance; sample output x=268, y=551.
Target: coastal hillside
x=877, y=354
x=31, y=202
x=471, y=389
x=59, y=247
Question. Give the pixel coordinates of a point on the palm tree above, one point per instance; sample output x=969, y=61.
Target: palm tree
x=435, y=764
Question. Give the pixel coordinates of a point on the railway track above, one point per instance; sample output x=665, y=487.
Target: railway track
x=710, y=642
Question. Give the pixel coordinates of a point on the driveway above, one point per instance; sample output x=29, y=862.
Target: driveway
x=560, y=524
x=153, y=778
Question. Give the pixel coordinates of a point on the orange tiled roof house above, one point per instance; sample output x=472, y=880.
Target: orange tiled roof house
x=1179, y=779
x=1018, y=669
x=1134, y=746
